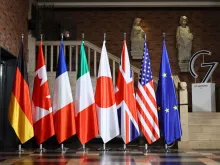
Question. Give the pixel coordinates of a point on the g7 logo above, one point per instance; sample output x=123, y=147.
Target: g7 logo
x=212, y=65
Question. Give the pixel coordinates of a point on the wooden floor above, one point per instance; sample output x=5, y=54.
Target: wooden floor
x=135, y=156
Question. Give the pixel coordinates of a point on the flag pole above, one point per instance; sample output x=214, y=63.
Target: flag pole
x=124, y=145
x=62, y=145
x=20, y=149
x=41, y=149
x=41, y=37
x=164, y=35
x=22, y=37
x=83, y=148
x=166, y=146
x=125, y=149
x=103, y=148
x=146, y=150
x=82, y=36
x=146, y=145
x=84, y=145
x=62, y=148
x=105, y=37
x=61, y=36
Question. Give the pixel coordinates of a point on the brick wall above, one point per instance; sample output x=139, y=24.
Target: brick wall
x=13, y=22
x=204, y=24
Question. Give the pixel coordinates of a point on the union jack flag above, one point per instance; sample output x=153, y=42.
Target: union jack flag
x=125, y=100
x=146, y=101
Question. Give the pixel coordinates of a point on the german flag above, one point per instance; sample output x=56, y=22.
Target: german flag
x=19, y=113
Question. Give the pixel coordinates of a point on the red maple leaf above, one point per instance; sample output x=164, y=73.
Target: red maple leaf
x=41, y=94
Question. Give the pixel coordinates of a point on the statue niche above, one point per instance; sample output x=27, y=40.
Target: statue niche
x=137, y=39
x=184, y=44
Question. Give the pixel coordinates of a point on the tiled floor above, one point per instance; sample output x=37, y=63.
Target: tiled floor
x=135, y=156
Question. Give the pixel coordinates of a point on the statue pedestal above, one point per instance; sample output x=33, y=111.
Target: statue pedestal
x=203, y=97
x=136, y=54
x=184, y=67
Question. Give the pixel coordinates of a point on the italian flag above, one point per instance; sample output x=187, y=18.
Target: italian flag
x=85, y=108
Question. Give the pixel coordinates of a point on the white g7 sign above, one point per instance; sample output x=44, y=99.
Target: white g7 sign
x=212, y=65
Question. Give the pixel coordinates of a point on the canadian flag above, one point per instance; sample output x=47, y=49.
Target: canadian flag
x=41, y=102
x=105, y=100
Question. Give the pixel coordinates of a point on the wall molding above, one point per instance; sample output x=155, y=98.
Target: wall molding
x=131, y=4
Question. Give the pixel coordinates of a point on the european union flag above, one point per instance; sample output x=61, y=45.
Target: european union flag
x=167, y=101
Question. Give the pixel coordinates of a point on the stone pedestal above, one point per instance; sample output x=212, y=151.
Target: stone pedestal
x=184, y=66
x=136, y=54
x=183, y=100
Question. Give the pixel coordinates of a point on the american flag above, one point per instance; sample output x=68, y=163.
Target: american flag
x=146, y=101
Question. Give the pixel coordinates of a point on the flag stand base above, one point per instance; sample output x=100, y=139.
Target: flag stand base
x=62, y=148
x=125, y=149
x=41, y=149
x=83, y=148
x=104, y=149
x=146, y=149
x=20, y=149
x=167, y=149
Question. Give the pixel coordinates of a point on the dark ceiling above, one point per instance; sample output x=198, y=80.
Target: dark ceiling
x=128, y=1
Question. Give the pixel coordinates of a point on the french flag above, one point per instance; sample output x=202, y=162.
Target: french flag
x=125, y=99
x=63, y=108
